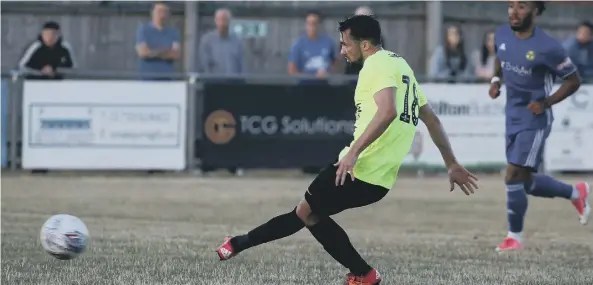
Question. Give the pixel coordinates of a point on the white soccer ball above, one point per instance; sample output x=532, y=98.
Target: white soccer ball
x=64, y=236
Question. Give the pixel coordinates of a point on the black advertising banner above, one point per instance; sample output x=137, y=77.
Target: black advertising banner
x=275, y=126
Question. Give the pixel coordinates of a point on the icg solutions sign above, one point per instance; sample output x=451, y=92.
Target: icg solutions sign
x=270, y=129
x=221, y=127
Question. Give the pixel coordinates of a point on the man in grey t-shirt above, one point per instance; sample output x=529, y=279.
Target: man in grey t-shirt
x=221, y=52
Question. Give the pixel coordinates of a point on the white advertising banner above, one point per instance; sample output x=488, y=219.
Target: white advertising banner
x=104, y=125
x=474, y=122
x=570, y=145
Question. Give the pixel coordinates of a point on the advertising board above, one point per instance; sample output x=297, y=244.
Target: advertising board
x=132, y=125
x=474, y=123
x=570, y=145
x=275, y=126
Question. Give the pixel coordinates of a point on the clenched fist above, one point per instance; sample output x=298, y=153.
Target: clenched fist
x=494, y=91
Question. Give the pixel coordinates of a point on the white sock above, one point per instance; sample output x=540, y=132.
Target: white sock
x=515, y=236
x=575, y=194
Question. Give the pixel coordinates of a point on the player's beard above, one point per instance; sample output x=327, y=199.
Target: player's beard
x=525, y=25
x=359, y=61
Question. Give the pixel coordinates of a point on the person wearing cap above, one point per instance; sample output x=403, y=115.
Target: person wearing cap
x=48, y=53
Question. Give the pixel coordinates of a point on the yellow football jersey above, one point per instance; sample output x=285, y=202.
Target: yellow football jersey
x=379, y=163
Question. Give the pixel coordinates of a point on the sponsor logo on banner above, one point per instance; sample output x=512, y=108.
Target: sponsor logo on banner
x=220, y=127
x=104, y=125
x=55, y=125
x=287, y=125
x=569, y=146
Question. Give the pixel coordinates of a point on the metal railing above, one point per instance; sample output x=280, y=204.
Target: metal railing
x=247, y=77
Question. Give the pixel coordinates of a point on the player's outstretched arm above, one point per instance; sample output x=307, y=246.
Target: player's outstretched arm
x=457, y=173
x=438, y=134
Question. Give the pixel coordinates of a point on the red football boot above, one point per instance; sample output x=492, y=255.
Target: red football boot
x=582, y=203
x=372, y=278
x=509, y=244
x=225, y=251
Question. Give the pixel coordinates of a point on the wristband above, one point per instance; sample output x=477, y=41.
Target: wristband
x=495, y=79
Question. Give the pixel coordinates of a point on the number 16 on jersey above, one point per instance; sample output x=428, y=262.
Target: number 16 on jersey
x=405, y=115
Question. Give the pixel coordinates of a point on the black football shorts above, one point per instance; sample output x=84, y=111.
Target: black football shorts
x=326, y=199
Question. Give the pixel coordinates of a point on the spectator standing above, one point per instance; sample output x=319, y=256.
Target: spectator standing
x=580, y=49
x=46, y=54
x=483, y=59
x=449, y=61
x=314, y=52
x=220, y=51
x=158, y=45
x=353, y=68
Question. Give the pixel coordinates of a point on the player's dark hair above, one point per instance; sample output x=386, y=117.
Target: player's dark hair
x=485, y=53
x=362, y=27
x=458, y=50
x=52, y=25
x=541, y=7
x=586, y=24
x=314, y=13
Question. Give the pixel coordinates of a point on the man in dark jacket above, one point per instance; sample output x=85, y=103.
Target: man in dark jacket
x=46, y=54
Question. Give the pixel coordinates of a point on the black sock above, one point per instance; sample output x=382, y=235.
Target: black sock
x=276, y=228
x=336, y=242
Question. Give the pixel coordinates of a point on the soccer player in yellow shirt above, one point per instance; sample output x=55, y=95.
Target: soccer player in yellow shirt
x=389, y=105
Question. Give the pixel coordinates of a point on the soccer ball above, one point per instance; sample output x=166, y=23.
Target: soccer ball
x=64, y=236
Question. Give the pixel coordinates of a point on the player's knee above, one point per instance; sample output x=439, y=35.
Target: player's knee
x=304, y=213
x=516, y=173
